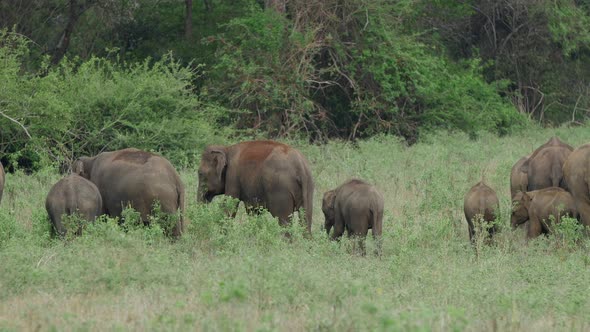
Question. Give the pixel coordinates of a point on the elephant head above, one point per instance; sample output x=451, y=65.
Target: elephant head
x=328, y=209
x=520, y=208
x=212, y=173
x=83, y=167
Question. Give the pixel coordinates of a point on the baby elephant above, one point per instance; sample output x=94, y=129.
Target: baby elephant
x=537, y=206
x=355, y=206
x=480, y=200
x=72, y=194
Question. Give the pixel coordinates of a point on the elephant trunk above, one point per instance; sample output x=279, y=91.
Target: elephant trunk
x=204, y=196
x=200, y=195
x=515, y=222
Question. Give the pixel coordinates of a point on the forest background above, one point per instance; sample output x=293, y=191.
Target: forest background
x=84, y=76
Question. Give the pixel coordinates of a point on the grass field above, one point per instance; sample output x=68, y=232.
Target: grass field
x=226, y=274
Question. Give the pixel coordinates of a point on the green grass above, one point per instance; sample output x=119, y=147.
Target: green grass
x=227, y=274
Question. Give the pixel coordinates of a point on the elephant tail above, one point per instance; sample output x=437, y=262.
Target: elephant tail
x=182, y=221
x=307, y=188
x=557, y=175
x=376, y=211
x=376, y=219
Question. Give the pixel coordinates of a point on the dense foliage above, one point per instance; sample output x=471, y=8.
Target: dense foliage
x=85, y=107
x=314, y=69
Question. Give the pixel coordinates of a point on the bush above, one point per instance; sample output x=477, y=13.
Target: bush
x=85, y=107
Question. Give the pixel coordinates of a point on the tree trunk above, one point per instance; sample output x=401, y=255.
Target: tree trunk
x=76, y=10
x=278, y=5
x=208, y=5
x=64, y=41
x=188, y=20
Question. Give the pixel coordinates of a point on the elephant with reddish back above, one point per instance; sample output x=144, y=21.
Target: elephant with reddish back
x=136, y=178
x=545, y=165
x=265, y=174
x=72, y=195
x=356, y=207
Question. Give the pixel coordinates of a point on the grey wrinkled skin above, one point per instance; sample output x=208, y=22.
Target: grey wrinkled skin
x=545, y=165
x=537, y=206
x=136, y=178
x=576, y=172
x=72, y=194
x=519, y=180
x=480, y=200
x=356, y=207
x=263, y=174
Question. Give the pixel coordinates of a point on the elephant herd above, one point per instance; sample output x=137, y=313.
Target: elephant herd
x=545, y=186
x=552, y=181
x=111, y=181
x=262, y=174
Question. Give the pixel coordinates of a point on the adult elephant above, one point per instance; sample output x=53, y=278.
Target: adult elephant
x=519, y=180
x=2, y=176
x=136, y=178
x=264, y=174
x=576, y=172
x=544, y=167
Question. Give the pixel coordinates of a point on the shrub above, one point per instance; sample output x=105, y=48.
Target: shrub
x=85, y=107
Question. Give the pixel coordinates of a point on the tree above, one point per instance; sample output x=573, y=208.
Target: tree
x=76, y=10
x=188, y=20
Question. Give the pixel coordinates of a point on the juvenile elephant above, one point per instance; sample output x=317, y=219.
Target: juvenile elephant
x=264, y=174
x=357, y=207
x=537, y=206
x=544, y=166
x=72, y=194
x=2, y=176
x=518, y=179
x=576, y=172
x=482, y=201
x=137, y=178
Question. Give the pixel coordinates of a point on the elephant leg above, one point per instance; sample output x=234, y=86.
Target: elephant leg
x=144, y=208
x=338, y=226
x=358, y=228
x=358, y=239
x=281, y=205
x=57, y=228
x=361, y=243
x=303, y=221
x=471, y=229
x=583, y=207
x=534, y=228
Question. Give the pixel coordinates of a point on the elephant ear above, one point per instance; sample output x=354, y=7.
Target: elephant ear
x=526, y=200
x=525, y=166
x=78, y=167
x=328, y=199
x=221, y=162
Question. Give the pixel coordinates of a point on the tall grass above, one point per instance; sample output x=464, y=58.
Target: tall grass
x=240, y=274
